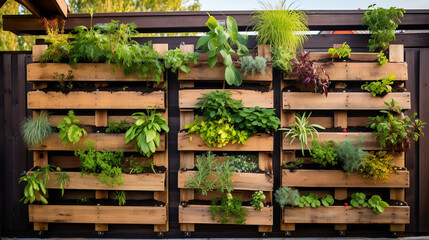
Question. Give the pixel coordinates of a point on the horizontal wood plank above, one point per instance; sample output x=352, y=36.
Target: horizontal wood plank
x=342, y=101
x=97, y=214
x=369, y=144
x=113, y=142
x=82, y=72
x=338, y=178
x=346, y=215
x=96, y=100
x=250, y=98
x=354, y=56
x=200, y=214
x=258, y=142
x=240, y=181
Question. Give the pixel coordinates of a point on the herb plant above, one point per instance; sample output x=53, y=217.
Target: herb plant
x=256, y=120
x=380, y=87
x=327, y=200
x=82, y=199
x=146, y=131
x=229, y=208
x=301, y=129
x=342, y=52
x=176, y=59
x=200, y=181
x=35, y=131
x=294, y=165
x=253, y=65
x=378, y=166
x=64, y=82
x=243, y=163
x=381, y=58
x=120, y=197
x=220, y=40
x=287, y=196
x=377, y=204
x=309, y=200
x=358, y=199
x=223, y=175
x=58, y=48
x=258, y=199
x=117, y=127
x=69, y=130
x=351, y=155
x=34, y=185
x=282, y=58
x=218, y=104
x=132, y=166
x=324, y=155
x=62, y=180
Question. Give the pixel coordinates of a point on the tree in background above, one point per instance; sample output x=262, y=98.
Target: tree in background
x=11, y=42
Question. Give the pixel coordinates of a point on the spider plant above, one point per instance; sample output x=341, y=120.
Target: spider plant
x=301, y=129
x=35, y=131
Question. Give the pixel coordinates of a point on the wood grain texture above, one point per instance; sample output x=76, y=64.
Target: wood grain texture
x=250, y=98
x=114, y=142
x=354, y=56
x=96, y=100
x=342, y=101
x=338, y=178
x=200, y=214
x=97, y=214
x=346, y=215
x=82, y=72
x=240, y=181
x=258, y=142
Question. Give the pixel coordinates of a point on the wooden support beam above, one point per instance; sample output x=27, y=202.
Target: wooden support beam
x=38, y=51
x=31, y=6
x=101, y=118
x=340, y=119
x=396, y=53
x=187, y=48
x=40, y=158
x=265, y=51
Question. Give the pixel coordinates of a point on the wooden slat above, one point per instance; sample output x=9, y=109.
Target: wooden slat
x=349, y=215
x=100, y=118
x=364, y=57
x=132, y=182
x=113, y=142
x=40, y=159
x=396, y=53
x=338, y=178
x=369, y=144
x=54, y=120
x=342, y=101
x=250, y=98
x=258, y=142
x=200, y=214
x=96, y=100
x=81, y=72
x=37, y=52
x=356, y=71
x=240, y=181
x=202, y=72
x=97, y=214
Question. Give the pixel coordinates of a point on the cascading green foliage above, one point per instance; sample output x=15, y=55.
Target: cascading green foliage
x=220, y=40
x=253, y=65
x=287, y=196
x=380, y=87
x=175, y=59
x=106, y=166
x=35, y=131
x=278, y=25
x=351, y=155
x=229, y=208
x=146, y=131
x=69, y=130
x=120, y=196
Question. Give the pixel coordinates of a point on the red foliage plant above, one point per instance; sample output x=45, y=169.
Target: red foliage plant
x=313, y=78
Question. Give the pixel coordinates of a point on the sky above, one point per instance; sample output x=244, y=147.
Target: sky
x=207, y=5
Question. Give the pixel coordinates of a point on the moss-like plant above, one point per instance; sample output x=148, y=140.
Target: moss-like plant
x=35, y=131
x=253, y=65
x=286, y=196
x=378, y=166
x=351, y=155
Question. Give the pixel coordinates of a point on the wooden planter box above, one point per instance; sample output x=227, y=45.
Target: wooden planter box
x=97, y=214
x=259, y=142
x=339, y=179
x=200, y=214
x=96, y=100
x=113, y=142
x=362, y=71
x=82, y=72
x=342, y=101
x=240, y=181
x=132, y=182
x=369, y=144
x=346, y=215
x=250, y=98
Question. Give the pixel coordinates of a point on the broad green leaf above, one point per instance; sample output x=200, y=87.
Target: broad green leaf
x=230, y=75
x=231, y=24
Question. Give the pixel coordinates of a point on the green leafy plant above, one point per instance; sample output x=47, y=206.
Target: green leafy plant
x=58, y=48
x=301, y=129
x=35, y=185
x=35, y=131
x=217, y=105
x=175, y=59
x=106, y=166
x=358, y=199
x=132, y=166
x=294, y=165
x=377, y=204
x=223, y=175
x=287, y=196
x=342, y=52
x=282, y=58
x=120, y=197
x=64, y=82
x=200, y=181
x=327, y=200
x=258, y=199
x=256, y=120
x=253, y=65
x=278, y=25
x=220, y=40
x=351, y=155
x=83, y=199
x=380, y=87
x=117, y=127
x=309, y=199
x=69, y=130
x=393, y=132
x=243, y=163
x=62, y=180
x=381, y=58
x=229, y=208
x=381, y=24
x=325, y=154
x=378, y=166
x=146, y=131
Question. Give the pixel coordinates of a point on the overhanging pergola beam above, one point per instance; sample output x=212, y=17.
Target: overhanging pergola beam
x=44, y=8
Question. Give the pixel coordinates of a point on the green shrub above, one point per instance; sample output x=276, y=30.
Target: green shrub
x=258, y=199
x=325, y=154
x=380, y=87
x=35, y=131
x=351, y=155
x=281, y=57
x=256, y=120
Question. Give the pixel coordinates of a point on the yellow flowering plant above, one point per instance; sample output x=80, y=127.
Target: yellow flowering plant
x=378, y=166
